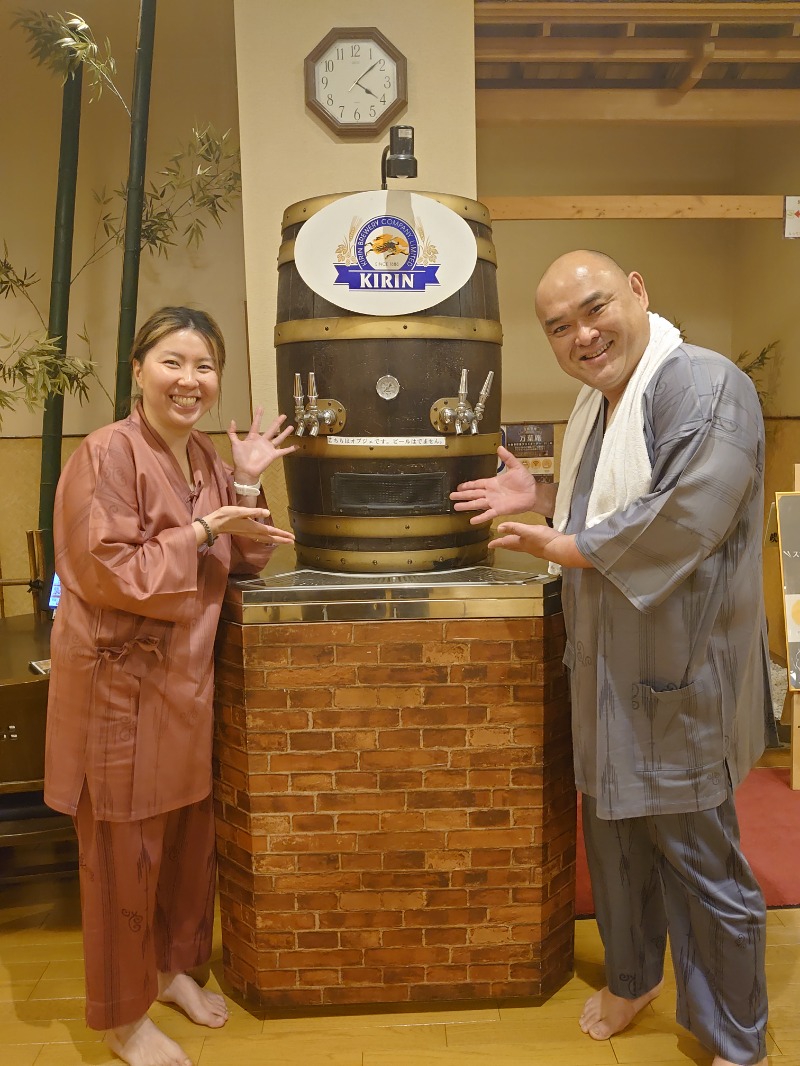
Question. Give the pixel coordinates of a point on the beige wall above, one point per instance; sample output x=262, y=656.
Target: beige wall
x=730, y=284
x=688, y=265
x=288, y=154
x=194, y=81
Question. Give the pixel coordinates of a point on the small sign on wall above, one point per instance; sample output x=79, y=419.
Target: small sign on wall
x=533, y=444
x=788, y=505
x=791, y=216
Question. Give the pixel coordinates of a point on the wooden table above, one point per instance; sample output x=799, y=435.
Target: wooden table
x=23, y=702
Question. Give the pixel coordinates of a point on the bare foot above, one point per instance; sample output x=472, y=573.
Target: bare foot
x=205, y=1008
x=605, y=1014
x=143, y=1044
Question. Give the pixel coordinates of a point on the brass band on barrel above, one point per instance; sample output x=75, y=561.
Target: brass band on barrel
x=470, y=209
x=386, y=562
x=382, y=527
x=454, y=446
x=486, y=250
x=368, y=327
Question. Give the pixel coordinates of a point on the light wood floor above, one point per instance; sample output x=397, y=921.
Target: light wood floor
x=41, y=1010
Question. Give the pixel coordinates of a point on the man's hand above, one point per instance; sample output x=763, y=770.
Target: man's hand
x=541, y=542
x=512, y=492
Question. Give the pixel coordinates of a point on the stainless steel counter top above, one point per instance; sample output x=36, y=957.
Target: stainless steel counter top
x=514, y=585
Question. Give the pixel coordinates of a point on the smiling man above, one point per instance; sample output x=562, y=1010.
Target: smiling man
x=657, y=528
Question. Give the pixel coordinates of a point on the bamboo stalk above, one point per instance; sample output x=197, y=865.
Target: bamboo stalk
x=52, y=419
x=134, y=204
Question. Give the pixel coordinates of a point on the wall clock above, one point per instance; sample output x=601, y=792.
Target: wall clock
x=356, y=80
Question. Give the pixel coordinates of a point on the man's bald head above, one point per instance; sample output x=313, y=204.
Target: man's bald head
x=595, y=317
x=577, y=264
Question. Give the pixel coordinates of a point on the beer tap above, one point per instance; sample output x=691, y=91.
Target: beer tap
x=480, y=406
x=456, y=414
x=317, y=416
x=299, y=406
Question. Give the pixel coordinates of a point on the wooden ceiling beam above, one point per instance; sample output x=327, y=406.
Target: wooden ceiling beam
x=527, y=12
x=712, y=107
x=633, y=50
x=531, y=208
x=697, y=68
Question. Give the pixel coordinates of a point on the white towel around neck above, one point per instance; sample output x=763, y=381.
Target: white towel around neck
x=623, y=470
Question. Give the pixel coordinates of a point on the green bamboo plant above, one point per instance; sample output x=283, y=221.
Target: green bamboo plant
x=199, y=183
x=196, y=186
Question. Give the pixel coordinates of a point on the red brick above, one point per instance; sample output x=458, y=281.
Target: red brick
x=396, y=739
x=360, y=801
x=400, y=697
x=311, y=655
x=359, y=653
x=266, y=698
x=399, y=631
x=399, y=653
x=319, y=740
x=310, y=697
x=444, y=694
x=312, y=677
x=306, y=782
x=445, y=654
x=327, y=760
x=393, y=675
x=266, y=656
x=500, y=629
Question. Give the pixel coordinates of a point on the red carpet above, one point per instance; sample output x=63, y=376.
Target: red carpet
x=769, y=817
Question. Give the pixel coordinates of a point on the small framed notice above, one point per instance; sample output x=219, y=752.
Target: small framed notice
x=533, y=443
x=788, y=509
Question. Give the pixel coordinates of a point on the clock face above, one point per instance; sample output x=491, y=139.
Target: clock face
x=356, y=80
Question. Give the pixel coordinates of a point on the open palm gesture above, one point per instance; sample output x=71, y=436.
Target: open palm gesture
x=253, y=455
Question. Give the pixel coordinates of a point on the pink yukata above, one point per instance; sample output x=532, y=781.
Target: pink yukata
x=130, y=710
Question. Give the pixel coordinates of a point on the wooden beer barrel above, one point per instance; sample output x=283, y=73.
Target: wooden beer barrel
x=377, y=499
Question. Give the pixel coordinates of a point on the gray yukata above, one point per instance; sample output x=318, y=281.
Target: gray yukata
x=668, y=661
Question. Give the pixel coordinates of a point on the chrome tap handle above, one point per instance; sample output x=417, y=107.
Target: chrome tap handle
x=464, y=410
x=462, y=388
x=299, y=407
x=312, y=411
x=480, y=406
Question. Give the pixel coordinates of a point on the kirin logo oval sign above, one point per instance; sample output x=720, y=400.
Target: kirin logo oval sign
x=385, y=253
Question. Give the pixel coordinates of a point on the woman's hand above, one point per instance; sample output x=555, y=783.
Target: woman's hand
x=248, y=522
x=512, y=492
x=253, y=455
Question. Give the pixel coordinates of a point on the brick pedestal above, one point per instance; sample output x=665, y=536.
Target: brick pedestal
x=396, y=810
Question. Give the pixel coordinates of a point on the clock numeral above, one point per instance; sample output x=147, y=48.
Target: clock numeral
x=381, y=64
x=340, y=53
x=355, y=51
x=328, y=65
x=324, y=82
x=341, y=110
x=383, y=98
x=356, y=115
x=372, y=111
x=329, y=100
x=387, y=82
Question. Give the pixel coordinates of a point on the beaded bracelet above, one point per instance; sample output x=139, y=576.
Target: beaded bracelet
x=210, y=535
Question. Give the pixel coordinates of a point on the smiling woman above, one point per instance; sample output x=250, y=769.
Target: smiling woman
x=148, y=524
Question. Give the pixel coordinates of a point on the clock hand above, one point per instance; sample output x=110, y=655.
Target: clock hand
x=360, y=76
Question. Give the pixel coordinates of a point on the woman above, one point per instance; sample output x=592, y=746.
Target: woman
x=148, y=524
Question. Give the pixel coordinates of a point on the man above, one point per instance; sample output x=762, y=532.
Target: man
x=657, y=528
